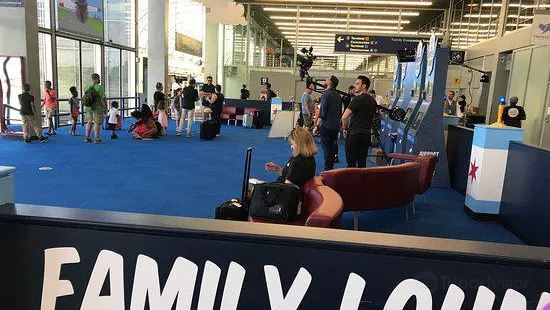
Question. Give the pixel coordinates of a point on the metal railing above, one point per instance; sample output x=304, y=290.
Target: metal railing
x=63, y=116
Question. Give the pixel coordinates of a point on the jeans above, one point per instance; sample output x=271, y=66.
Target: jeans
x=330, y=148
x=186, y=114
x=357, y=149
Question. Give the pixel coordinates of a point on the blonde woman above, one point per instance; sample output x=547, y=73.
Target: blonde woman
x=300, y=168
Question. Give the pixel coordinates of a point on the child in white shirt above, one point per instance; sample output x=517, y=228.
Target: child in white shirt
x=114, y=115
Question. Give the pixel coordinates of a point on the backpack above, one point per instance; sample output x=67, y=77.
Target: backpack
x=90, y=97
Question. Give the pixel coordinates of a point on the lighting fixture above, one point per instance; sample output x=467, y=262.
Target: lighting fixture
x=352, y=12
x=476, y=25
x=377, y=21
x=364, y=2
x=293, y=25
x=494, y=16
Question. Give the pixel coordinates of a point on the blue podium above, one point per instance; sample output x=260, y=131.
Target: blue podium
x=488, y=166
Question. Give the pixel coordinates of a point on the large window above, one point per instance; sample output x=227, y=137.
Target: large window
x=91, y=62
x=119, y=22
x=45, y=57
x=43, y=13
x=68, y=66
x=112, y=66
x=128, y=74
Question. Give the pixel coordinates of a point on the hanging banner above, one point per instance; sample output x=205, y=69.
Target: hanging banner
x=540, y=31
x=188, y=45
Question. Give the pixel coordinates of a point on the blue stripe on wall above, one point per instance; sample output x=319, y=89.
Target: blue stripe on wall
x=482, y=206
x=496, y=138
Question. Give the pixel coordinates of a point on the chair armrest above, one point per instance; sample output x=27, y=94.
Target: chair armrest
x=403, y=156
x=329, y=211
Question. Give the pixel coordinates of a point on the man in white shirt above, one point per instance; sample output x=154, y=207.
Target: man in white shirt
x=175, y=87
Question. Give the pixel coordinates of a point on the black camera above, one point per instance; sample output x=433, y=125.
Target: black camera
x=305, y=61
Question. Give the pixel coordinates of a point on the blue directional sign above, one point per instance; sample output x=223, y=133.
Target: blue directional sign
x=356, y=43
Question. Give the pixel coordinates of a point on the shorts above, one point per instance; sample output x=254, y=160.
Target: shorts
x=112, y=126
x=50, y=112
x=94, y=117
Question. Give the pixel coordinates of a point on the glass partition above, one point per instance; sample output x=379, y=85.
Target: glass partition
x=112, y=72
x=43, y=13
x=68, y=66
x=45, y=57
x=119, y=22
x=91, y=62
x=128, y=74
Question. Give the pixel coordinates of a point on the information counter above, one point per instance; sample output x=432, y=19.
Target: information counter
x=62, y=258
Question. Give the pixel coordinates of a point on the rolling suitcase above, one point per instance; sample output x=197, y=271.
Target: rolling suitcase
x=237, y=209
x=257, y=121
x=209, y=130
x=247, y=120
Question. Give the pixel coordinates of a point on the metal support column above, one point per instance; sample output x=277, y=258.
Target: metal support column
x=247, y=51
x=502, y=19
x=296, y=39
x=281, y=55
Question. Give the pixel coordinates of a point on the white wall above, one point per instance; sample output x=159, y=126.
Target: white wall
x=12, y=32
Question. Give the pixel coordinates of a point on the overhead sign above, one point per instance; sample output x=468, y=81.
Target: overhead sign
x=540, y=32
x=457, y=57
x=188, y=45
x=263, y=80
x=351, y=43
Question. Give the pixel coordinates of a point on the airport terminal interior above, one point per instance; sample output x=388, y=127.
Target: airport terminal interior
x=272, y=154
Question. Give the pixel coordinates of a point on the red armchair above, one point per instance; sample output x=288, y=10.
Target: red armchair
x=229, y=114
x=376, y=188
x=427, y=171
x=321, y=207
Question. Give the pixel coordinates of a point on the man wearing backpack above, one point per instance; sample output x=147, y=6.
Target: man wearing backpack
x=94, y=105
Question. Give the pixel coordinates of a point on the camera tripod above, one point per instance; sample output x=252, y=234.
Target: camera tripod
x=376, y=134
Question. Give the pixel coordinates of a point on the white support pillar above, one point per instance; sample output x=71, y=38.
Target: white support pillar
x=157, y=46
x=211, y=49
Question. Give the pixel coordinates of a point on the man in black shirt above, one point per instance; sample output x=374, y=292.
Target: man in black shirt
x=206, y=91
x=30, y=121
x=328, y=123
x=245, y=94
x=513, y=114
x=270, y=93
x=190, y=95
x=361, y=109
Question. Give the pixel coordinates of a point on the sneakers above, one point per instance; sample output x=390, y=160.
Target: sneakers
x=189, y=135
x=88, y=140
x=27, y=141
x=98, y=141
x=179, y=134
x=114, y=136
x=42, y=139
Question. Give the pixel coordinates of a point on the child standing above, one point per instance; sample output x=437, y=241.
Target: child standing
x=162, y=117
x=75, y=109
x=114, y=115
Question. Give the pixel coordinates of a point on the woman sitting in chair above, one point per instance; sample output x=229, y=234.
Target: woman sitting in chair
x=145, y=126
x=300, y=168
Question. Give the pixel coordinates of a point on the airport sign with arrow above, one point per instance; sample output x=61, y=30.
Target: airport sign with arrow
x=365, y=44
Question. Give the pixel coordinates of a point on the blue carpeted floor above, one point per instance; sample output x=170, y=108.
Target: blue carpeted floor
x=188, y=177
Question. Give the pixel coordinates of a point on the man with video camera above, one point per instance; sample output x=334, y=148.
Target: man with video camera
x=362, y=110
x=328, y=124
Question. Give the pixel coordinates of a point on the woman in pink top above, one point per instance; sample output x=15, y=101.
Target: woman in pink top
x=50, y=106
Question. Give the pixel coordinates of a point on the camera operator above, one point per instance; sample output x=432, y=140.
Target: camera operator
x=328, y=124
x=362, y=110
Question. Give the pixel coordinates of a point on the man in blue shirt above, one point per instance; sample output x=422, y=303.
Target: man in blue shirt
x=308, y=107
x=329, y=123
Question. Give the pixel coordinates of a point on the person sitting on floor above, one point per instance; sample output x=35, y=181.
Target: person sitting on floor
x=145, y=126
x=300, y=168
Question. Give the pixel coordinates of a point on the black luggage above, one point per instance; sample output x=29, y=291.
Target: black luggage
x=276, y=202
x=257, y=121
x=237, y=209
x=209, y=129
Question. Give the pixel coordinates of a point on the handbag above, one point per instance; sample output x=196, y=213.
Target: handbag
x=276, y=202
